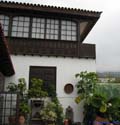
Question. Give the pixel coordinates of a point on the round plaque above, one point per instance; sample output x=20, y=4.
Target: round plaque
x=68, y=88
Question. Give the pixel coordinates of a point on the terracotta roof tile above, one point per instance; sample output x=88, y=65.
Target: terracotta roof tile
x=38, y=7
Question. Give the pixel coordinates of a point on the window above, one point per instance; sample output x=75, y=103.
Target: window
x=4, y=20
x=20, y=26
x=52, y=29
x=47, y=74
x=41, y=28
x=68, y=30
x=38, y=28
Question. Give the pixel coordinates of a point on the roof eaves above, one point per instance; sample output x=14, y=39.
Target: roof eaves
x=28, y=6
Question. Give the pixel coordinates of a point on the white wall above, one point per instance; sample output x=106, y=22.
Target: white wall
x=66, y=70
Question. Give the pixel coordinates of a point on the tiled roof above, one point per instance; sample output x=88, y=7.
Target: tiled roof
x=73, y=11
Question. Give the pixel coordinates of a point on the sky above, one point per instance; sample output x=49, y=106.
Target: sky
x=106, y=32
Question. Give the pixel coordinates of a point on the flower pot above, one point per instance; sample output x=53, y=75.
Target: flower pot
x=21, y=120
x=12, y=120
x=101, y=121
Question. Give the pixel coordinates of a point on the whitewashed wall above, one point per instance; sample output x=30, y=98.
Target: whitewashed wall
x=66, y=70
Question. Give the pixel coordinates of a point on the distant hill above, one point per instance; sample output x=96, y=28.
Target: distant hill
x=108, y=74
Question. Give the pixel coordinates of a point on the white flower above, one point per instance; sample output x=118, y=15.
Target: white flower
x=109, y=104
x=91, y=94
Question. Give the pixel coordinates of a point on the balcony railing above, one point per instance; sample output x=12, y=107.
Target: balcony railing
x=22, y=46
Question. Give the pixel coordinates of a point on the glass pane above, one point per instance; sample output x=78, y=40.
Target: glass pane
x=38, y=20
x=47, y=36
x=25, y=35
x=38, y=30
x=34, y=19
x=64, y=27
x=56, y=36
x=42, y=25
x=27, y=19
x=14, y=34
x=56, y=26
x=48, y=25
x=42, y=31
x=63, y=37
x=52, y=26
x=68, y=32
x=6, y=22
x=37, y=35
x=19, y=34
x=69, y=23
x=52, y=21
x=68, y=27
x=33, y=24
x=48, y=20
x=74, y=38
x=73, y=33
x=20, y=23
x=26, y=24
x=64, y=22
x=33, y=35
x=41, y=35
x=25, y=29
x=20, y=29
x=48, y=31
x=42, y=20
x=33, y=29
x=52, y=31
x=73, y=24
x=15, y=18
x=64, y=32
x=73, y=27
x=38, y=24
x=56, y=31
x=56, y=21
x=21, y=18
x=5, y=27
x=15, y=23
x=51, y=37
x=68, y=37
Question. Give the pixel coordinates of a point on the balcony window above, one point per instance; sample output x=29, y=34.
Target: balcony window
x=38, y=28
x=20, y=26
x=68, y=30
x=4, y=20
x=52, y=29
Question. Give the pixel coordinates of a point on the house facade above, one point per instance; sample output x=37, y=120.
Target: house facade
x=47, y=42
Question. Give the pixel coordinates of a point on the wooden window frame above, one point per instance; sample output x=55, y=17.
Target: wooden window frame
x=18, y=26
x=5, y=18
x=29, y=32
x=42, y=69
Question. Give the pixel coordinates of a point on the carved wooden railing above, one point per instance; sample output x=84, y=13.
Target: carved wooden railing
x=50, y=48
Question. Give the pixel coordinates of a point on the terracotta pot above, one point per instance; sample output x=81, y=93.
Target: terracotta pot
x=101, y=121
x=12, y=120
x=21, y=120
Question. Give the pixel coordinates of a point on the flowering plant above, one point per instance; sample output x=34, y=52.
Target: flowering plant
x=48, y=112
x=103, y=101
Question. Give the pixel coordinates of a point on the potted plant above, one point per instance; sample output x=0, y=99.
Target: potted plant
x=52, y=110
x=20, y=88
x=36, y=90
x=99, y=105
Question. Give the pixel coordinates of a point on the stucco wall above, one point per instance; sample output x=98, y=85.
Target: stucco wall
x=66, y=68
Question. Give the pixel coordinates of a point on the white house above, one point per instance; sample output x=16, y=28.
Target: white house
x=47, y=42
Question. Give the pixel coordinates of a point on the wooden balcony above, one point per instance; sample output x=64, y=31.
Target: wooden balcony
x=28, y=46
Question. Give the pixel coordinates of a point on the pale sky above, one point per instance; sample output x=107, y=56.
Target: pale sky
x=106, y=32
